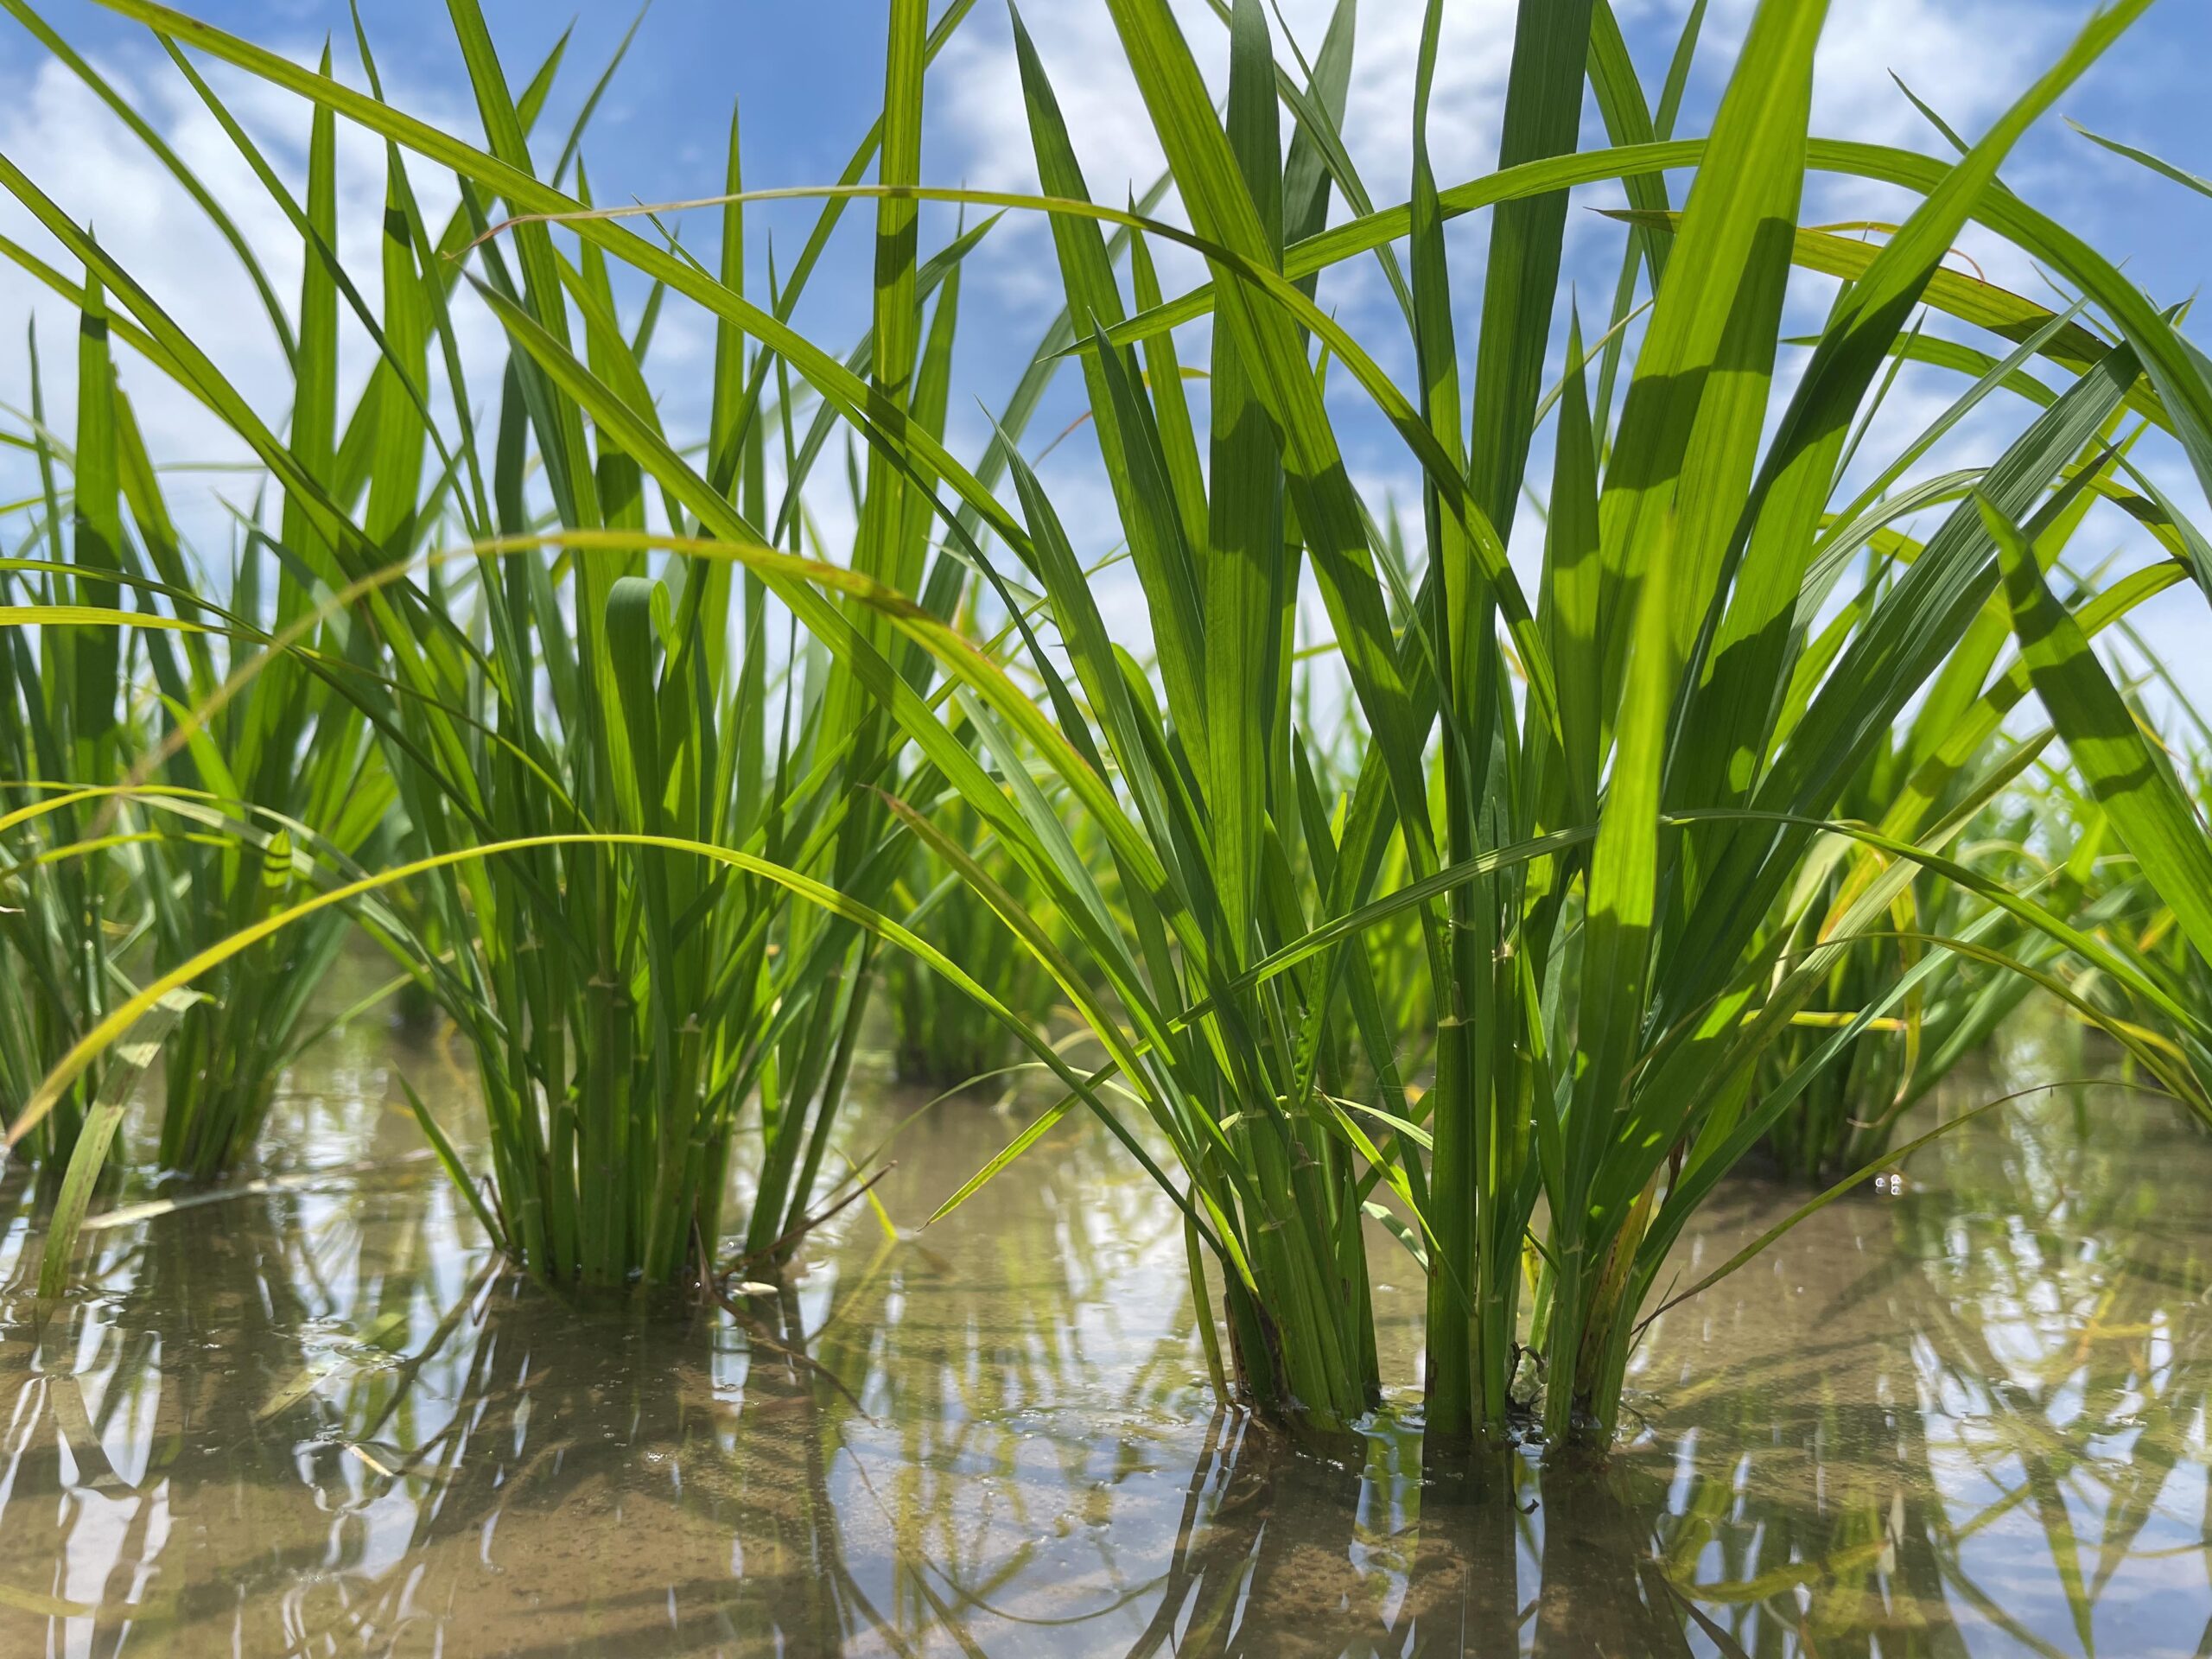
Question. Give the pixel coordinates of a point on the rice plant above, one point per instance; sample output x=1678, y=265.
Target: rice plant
x=68, y=917
x=545, y=727
x=2131, y=777
x=941, y=1037
x=1617, y=839
x=2123, y=905
x=1270, y=1192
x=1950, y=966
x=532, y=719
x=1280, y=1204
x=1846, y=1112
x=292, y=769
x=227, y=834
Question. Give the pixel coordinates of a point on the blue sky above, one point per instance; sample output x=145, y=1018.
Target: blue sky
x=808, y=77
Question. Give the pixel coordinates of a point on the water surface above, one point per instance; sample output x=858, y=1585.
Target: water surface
x=319, y=1418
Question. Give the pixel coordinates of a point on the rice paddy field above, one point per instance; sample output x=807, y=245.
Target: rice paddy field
x=1455, y=911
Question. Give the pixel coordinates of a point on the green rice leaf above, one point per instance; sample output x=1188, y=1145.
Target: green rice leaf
x=144, y=1034
x=2131, y=778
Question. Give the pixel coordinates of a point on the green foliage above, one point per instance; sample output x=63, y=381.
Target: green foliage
x=624, y=1006
x=942, y=1039
x=1712, y=829
x=65, y=914
x=1606, y=1001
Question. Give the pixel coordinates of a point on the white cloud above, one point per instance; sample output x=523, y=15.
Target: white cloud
x=978, y=90
x=76, y=151
x=1968, y=60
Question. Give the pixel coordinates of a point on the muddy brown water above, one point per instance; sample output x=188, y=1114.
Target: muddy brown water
x=1967, y=1418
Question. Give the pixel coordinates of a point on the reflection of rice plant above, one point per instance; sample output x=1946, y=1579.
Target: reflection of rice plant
x=2076, y=1422
x=460, y=1421
x=965, y=1375
x=1268, y=1546
x=1807, y=1516
x=210, y=1502
x=2020, y=1367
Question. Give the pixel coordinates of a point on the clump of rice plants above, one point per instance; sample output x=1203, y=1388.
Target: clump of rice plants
x=1625, y=818
x=542, y=726
x=1224, y=849
x=1847, y=1109
x=289, y=759
x=614, y=756
x=2126, y=910
x=1947, y=967
x=1932, y=968
x=942, y=1039
x=68, y=917
x=1743, y=744
x=1629, y=840
x=226, y=833
x=1236, y=1073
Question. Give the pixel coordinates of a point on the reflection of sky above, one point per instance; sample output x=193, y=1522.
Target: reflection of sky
x=808, y=77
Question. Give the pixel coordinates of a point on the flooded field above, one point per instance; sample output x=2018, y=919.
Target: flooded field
x=320, y=1417
x=1440, y=658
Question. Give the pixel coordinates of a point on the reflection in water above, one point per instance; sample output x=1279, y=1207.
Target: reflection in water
x=1966, y=1420
x=321, y=1420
